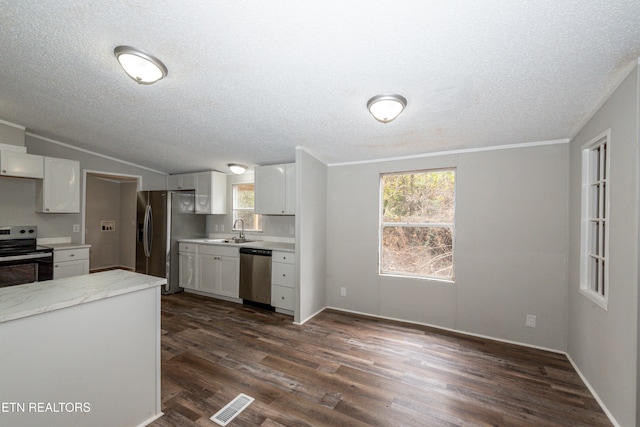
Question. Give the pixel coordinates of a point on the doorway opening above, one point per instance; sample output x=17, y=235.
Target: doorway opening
x=109, y=219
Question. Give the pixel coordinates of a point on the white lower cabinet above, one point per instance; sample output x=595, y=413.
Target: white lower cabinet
x=70, y=262
x=218, y=270
x=283, y=280
x=187, y=265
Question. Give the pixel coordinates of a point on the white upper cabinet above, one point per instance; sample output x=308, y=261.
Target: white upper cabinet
x=185, y=181
x=275, y=189
x=211, y=192
x=59, y=190
x=21, y=164
x=210, y=187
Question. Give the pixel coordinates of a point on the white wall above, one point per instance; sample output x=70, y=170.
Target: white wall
x=603, y=344
x=311, y=235
x=510, y=245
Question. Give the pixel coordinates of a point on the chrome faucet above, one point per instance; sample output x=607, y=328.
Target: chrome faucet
x=241, y=237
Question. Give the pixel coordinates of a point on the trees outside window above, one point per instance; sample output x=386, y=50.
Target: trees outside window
x=243, y=202
x=417, y=223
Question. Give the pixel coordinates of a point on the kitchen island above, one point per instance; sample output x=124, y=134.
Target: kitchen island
x=83, y=350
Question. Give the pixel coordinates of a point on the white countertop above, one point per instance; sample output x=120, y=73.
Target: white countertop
x=40, y=297
x=56, y=246
x=258, y=244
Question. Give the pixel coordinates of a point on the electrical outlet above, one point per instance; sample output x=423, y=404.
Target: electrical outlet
x=222, y=227
x=530, y=321
x=343, y=292
x=76, y=228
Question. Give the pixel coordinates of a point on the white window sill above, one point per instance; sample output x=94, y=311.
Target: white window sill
x=595, y=298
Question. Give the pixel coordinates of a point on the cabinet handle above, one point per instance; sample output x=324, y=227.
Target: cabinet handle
x=284, y=275
x=4, y=171
x=72, y=255
x=57, y=266
x=47, y=209
x=282, y=297
x=284, y=257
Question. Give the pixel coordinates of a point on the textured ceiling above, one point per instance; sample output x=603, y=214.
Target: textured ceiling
x=250, y=80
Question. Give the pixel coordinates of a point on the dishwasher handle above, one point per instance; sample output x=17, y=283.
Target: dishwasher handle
x=255, y=251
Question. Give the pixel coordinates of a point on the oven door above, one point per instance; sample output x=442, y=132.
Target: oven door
x=26, y=268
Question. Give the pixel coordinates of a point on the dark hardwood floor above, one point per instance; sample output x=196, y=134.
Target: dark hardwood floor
x=347, y=370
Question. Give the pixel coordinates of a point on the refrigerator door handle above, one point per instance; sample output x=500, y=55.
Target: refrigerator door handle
x=147, y=231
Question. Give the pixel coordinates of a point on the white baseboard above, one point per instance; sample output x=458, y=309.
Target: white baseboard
x=568, y=356
x=593, y=392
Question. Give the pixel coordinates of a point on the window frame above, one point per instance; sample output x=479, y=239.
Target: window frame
x=595, y=287
x=383, y=224
x=235, y=209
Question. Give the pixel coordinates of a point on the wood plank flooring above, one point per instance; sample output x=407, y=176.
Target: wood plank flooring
x=347, y=370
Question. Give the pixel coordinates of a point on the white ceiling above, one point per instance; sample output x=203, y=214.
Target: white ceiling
x=250, y=80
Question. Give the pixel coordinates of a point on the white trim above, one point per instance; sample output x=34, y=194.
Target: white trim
x=471, y=334
x=460, y=151
x=93, y=153
x=585, y=288
x=83, y=207
x=150, y=420
x=310, y=317
x=443, y=328
x=13, y=125
x=593, y=392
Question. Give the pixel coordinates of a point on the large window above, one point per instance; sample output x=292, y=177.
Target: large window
x=243, y=201
x=594, y=272
x=417, y=223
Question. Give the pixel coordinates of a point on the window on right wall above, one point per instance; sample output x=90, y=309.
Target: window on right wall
x=594, y=245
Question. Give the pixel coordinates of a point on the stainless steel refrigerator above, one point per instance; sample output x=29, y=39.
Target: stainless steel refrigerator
x=163, y=218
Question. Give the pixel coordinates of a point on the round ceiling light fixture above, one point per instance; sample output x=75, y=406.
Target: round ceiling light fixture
x=385, y=108
x=140, y=66
x=237, y=168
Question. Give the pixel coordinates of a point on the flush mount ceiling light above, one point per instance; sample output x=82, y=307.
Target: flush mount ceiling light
x=237, y=168
x=385, y=108
x=140, y=66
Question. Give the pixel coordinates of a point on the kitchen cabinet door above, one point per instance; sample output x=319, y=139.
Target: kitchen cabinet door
x=59, y=190
x=229, y=276
x=211, y=192
x=66, y=269
x=23, y=165
x=275, y=189
x=70, y=262
x=185, y=181
x=208, y=267
x=187, y=267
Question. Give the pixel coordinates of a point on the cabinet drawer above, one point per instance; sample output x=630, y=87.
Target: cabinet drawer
x=285, y=257
x=282, y=297
x=282, y=274
x=61, y=255
x=187, y=247
x=219, y=250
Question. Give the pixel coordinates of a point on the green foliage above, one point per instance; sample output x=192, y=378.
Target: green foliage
x=421, y=197
x=423, y=205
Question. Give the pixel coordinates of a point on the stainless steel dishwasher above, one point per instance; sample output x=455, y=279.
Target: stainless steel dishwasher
x=255, y=275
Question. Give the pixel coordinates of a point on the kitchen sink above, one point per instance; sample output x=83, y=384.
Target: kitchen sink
x=232, y=241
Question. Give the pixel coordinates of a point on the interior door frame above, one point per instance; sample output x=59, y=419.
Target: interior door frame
x=106, y=174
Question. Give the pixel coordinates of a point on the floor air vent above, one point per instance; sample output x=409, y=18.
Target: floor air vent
x=233, y=408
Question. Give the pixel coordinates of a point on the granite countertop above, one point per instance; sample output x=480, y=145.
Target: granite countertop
x=258, y=244
x=40, y=297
